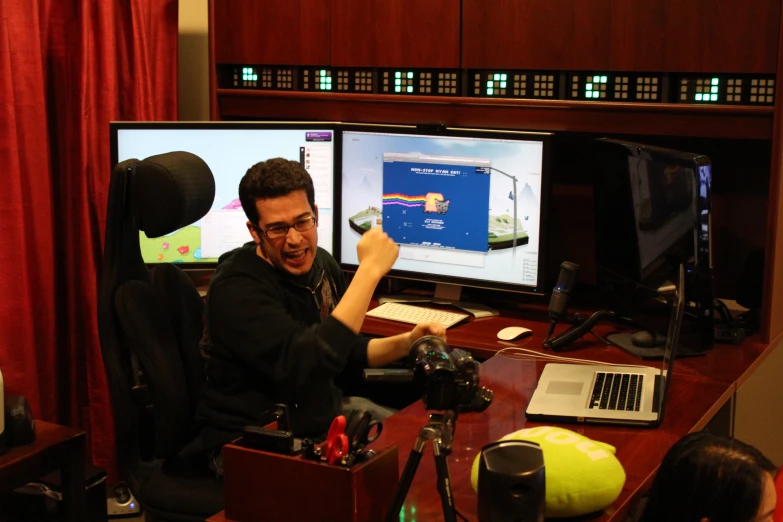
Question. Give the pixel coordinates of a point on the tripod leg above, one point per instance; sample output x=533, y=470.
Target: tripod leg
x=405, y=481
x=444, y=484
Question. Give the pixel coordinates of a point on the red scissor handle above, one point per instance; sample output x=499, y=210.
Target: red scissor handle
x=336, y=441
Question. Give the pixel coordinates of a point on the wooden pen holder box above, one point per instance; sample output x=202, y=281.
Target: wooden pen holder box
x=259, y=485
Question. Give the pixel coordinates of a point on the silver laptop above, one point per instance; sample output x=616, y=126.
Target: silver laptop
x=623, y=395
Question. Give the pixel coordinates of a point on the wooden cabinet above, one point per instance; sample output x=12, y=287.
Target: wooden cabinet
x=294, y=32
x=695, y=35
x=531, y=34
x=395, y=33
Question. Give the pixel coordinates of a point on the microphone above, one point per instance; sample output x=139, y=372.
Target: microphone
x=558, y=304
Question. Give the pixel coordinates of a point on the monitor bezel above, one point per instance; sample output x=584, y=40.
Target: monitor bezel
x=468, y=132
x=116, y=126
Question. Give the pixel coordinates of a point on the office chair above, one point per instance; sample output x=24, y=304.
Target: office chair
x=150, y=323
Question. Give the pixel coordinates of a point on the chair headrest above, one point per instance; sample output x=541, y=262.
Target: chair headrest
x=170, y=191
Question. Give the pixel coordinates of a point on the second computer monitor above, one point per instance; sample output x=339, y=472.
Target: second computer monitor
x=229, y=148
x=465, y=206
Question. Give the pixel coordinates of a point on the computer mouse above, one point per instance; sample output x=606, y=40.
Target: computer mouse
x=511, y=333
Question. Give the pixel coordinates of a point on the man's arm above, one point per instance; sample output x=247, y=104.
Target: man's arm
x=381, y=352
x=377, y=253
x=252, y=325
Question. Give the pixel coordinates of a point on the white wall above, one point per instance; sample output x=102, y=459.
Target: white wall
x=193, y=66
x=758, y=419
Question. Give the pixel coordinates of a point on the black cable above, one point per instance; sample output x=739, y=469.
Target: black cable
x=460, y=515
x=551, y=329
x=600, y=338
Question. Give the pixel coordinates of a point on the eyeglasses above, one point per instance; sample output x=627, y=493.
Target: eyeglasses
x=279, y=231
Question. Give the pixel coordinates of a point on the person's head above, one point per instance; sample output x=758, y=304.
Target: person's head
x=278, y=198
x=705, y=477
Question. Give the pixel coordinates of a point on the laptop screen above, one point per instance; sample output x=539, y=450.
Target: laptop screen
x=672, y=338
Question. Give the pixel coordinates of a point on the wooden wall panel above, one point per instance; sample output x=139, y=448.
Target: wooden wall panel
x=695, y=35
x=294, y=32
x=395, y=33
x=536, y=34
x=773, y=266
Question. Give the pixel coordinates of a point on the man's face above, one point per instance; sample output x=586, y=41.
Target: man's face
x=295, y=251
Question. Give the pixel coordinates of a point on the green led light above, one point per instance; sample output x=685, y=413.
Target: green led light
x=490, y=91
x=698, y=96
x=402, y=514
x=603, y=79
x=323, y=72
x=410, y=75
x=255, y=77
x=589, y=86
x=328, y=79
x=714, y=90
x=410, y=88
x=398, y=74
x=397, y=89
x=714, y=97
x=490, y=84
x=398, y=82
x=502, y=85
x=413, y=510
x=497, y=77
x=503, y=77
x=715, y=81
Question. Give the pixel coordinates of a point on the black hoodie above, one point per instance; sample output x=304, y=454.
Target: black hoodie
x=270, y=338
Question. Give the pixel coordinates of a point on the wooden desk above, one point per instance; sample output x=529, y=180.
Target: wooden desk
x=55, y=448
x=479, y=336
x=693, y=400
x=701, y=386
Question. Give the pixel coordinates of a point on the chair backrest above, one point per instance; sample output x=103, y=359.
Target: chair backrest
x=150, y=320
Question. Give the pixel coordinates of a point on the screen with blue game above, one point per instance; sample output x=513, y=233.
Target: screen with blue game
x=229, y=150
x=449, y=201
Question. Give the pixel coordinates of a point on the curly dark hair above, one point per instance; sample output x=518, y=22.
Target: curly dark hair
x=707, y=476
x=271, y=179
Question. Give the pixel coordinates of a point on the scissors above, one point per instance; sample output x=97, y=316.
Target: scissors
x=336, y=440
x=360, y=432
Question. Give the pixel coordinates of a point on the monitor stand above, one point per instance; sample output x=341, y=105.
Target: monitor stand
x=445, y=294
x=641, y=345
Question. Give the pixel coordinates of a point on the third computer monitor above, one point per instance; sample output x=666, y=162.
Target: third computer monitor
x=466, y=206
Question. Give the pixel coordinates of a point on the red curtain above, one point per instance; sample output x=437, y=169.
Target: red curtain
x=68, y=68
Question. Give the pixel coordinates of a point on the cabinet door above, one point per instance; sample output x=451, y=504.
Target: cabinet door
x=739, y=36
x=395, y=33
x=294, y=32
x=536, y=34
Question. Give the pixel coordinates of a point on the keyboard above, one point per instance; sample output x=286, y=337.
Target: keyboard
x=415, y=314
x=617, y=391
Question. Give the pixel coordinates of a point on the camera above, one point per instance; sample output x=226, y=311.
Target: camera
x=450, y=378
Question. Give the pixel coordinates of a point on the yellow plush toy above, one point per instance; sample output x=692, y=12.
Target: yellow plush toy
x=582, y=475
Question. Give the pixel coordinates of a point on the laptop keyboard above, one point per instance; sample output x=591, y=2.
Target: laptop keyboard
x=617, y=391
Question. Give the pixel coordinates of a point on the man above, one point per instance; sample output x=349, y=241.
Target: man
x=280, y=322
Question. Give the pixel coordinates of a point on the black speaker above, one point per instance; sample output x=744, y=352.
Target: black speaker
x=511, y=485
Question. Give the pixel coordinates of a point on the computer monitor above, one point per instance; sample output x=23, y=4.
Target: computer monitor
x=229, y=149
x=652, y=213
x=466, y=206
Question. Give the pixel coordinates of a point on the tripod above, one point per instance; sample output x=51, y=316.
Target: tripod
x=440, y=431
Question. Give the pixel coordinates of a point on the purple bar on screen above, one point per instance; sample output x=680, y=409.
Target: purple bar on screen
x=318, y=136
